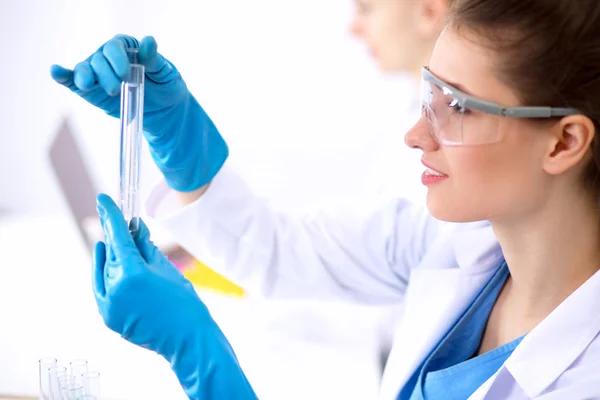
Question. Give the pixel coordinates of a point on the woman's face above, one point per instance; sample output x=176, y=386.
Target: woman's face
x=388, y=30
x=498, y=181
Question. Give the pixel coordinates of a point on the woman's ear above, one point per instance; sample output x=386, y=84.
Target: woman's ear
x=430, y=17
x=570, y=143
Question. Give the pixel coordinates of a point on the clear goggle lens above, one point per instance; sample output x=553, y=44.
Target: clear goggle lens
x=451, y=122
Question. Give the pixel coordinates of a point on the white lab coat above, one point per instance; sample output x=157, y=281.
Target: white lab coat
x=370, y=258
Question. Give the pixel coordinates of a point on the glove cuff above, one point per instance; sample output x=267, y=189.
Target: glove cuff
x=192, y=152
x=207, y=367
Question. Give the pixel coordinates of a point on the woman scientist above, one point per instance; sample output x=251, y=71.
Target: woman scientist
x=502, y=309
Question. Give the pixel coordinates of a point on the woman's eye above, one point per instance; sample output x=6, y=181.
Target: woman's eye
x=457, y=107
x=364, y=7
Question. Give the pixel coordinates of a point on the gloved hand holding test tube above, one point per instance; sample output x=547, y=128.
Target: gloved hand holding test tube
x=140, y=294
x=132, y=122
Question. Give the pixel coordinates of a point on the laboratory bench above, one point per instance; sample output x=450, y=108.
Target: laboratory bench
x=17, y=398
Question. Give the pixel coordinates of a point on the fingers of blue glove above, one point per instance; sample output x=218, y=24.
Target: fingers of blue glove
x=84, y=76
x=128, y=41
x=116, y=55
x=99, y=260
x=144, y=244
x=107, y=77
x=148, y=54
x=155, y=259
x=158, y=69
x=116, y=232
x=62, y=75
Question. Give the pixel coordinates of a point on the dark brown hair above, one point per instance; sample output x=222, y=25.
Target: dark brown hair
x=549, y=52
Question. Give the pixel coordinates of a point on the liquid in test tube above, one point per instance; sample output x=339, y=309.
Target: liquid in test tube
x=132, y=116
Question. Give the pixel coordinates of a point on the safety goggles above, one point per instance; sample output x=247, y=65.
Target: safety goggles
x=458, y=119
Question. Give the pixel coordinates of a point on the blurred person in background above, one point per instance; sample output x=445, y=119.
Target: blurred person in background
x=399, y=34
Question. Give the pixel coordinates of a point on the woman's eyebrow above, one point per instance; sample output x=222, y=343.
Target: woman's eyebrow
x=459, y=87
x=453, y=84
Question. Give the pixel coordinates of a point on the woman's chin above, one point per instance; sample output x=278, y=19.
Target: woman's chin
x=444, y=209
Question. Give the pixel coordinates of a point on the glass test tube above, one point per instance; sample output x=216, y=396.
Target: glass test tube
x=44, y=365
x=63, y=381
x=91, y=382
x=78, y=368
x=71, y=387
x=72, y=391
x=55, y=372
x=132, y=114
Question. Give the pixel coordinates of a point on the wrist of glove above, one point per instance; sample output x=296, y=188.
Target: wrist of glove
x=203, y=378
x=188, y=150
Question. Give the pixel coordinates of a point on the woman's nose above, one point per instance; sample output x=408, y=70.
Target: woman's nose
x=419, y=136
x=356, y=27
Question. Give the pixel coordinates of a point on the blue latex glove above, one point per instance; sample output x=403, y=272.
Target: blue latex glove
x=183, y=141
x=144, y=298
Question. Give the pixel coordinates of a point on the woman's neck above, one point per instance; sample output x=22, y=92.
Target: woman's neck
x=550, y=252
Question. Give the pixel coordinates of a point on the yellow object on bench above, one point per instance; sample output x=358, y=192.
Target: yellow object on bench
x=202, y=276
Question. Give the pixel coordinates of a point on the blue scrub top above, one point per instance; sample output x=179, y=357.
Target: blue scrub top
x=452, y=370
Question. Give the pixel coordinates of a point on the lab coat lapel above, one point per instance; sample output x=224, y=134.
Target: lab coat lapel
x=440, y=290
x=551, y=348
